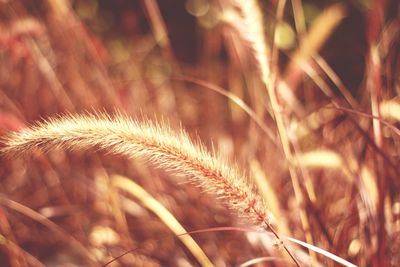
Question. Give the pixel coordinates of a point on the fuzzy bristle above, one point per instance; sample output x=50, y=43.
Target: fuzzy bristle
x=156, y=143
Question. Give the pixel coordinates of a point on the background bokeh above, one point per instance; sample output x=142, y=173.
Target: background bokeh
x=337, y=66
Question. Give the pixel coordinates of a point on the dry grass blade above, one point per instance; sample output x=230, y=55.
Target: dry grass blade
x=235, y=99
x=50, y=225
x=322, y=158
x=390, y=109
x=318, y=250
x=318, y=34
x=125, y=184
x=322, y=252
x=255, y=261
x=33, y=261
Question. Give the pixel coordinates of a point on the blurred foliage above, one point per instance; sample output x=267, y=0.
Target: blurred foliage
x=158, y=60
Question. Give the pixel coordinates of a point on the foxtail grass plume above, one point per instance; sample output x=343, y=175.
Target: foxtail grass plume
x=246, y=18
x=158, y=144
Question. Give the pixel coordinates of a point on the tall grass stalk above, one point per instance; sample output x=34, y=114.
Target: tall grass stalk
x=251, y=30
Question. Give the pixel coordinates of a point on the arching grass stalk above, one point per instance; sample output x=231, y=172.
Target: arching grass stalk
x=156, y=143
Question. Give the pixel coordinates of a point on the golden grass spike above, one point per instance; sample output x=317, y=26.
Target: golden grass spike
x=156, y=143
x=321, y=158
x=246, y=18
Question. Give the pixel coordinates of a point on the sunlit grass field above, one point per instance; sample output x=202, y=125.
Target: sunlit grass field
x=199, y=133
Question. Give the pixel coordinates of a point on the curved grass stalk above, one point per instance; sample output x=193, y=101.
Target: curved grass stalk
x=251, y=30
x=125, y=184
x=318, y=250
x=158, y=144
x=57, y=230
